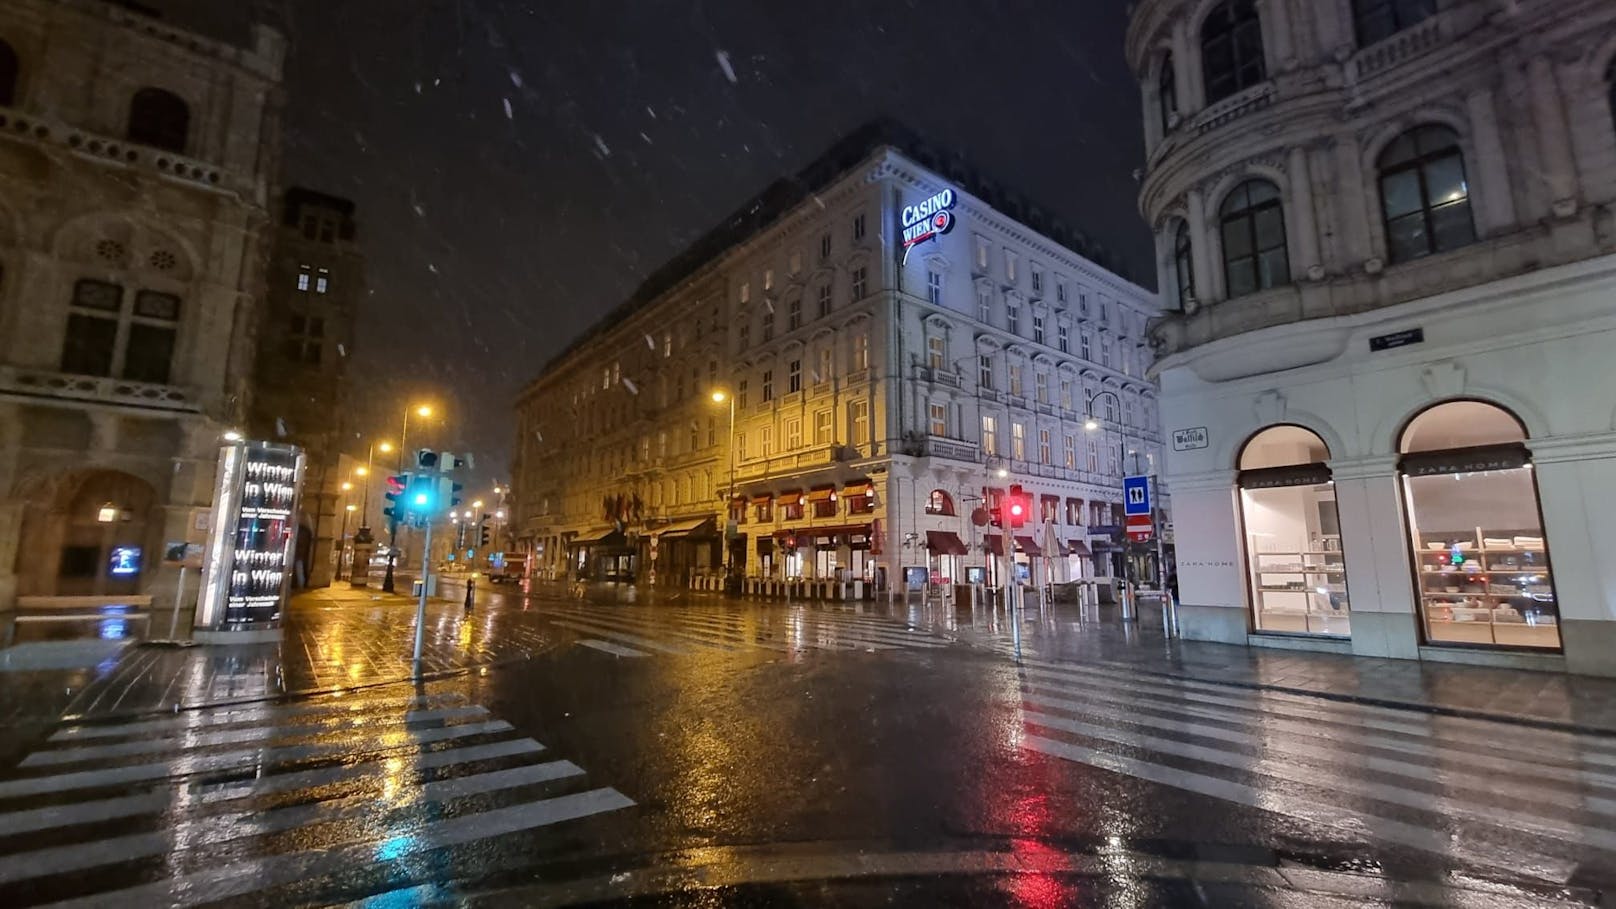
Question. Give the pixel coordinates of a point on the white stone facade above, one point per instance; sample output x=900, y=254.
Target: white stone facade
x=1449, y=170
x=136, y=161
x=852, y=371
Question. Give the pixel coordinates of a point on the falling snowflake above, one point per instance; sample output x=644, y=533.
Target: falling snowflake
x=650, y=111
x=601, y=144
x=342, y=350
x=646, y=138
x=650, y=342
x=431, y=268
x=516, y=78
x=632, y=388
x=509, y=114
x=419, y=209
x=723, y=64
x=280, y=428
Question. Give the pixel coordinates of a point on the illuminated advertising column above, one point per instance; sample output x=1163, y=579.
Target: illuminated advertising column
x=249, y=553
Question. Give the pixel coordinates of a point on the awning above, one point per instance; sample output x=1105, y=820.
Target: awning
x=1078, y=547
x=1029, y=546
x=597, y=537
x=790, y=497
x=821, y=493
x=943, y=542
x=695, y=527
x=1060, y=547
x=1023, y=545
x=762, y=499
x=857, y=488
x=995, y=544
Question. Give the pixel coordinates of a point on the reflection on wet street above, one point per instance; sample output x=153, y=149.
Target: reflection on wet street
x=746, y=753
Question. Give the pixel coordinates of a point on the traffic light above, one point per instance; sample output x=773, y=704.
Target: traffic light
x=421, y=497
x=396, y=511
x=426, y=459
x=449, y=492
x=1016, y=505
x=482, y=531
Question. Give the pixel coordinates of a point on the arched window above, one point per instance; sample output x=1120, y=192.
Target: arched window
x=1167, y=94
x=1253, y=226
x=1231, y=49
x=9, y=70
x=160, y=119
x=1294, y=556
x=1378, y=19
x=939, y=502
x=1476, y=529
x=1424, y=197
x=1183, y=264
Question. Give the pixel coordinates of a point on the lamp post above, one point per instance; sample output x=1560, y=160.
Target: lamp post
x=721, y=396
x=342, y=537
x=392, y=531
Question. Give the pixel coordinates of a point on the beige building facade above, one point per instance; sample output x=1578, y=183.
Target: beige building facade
x=136, y=161
x=1387, y=237
x=892, y=342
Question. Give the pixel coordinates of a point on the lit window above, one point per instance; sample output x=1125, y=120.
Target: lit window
x=935, y=355
x=768, y=279
x=860, y=282
x=990, y=435
x=303, y=278
x=1018, y=441
x=939, y=418
x=1038, y=329
x=934, y=287
x=322, y=281
x=794, y=377
x=1425, y=199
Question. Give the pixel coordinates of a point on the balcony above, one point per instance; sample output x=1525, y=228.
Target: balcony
x=944, y=377
x=1388, y=52
x=796, y=462
x=952, y=449
x=97, y=389
x=44, y=131
x=1234, y=108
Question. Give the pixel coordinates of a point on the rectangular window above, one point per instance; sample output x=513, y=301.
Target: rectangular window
x=662, y=444
x=746, y=292
x=1066, y=394
x=981, y=255
x=1018, y=441
x=768, y=385
x=1105, y=350
x=1085, y=347
x=1043, y=446
x=768, y=279
x=151, y=351
x=794, y=314
x=768, y=324
x=743, y=335
x=1037, y=281
x=984, y=306
x=795, y=263
x=826, y=369
x=712, y=431
x=1069, y=451
x=990, y=435
x=1012, y=319
x=88, y=347
x=1038, y=329
x=1127, y=413
x=822, y=421
x=861, y=351
x=794, y=377
x=939, y=418
x=741, y=394
x=766, y=441
x=858, y=227
x=934, y=287
x=667, y=344
x=824, y=299
x=1010, y=266
x=1060, y=291
x=303, y=278
x=1092, y=458
x=793, y=434
x=984, y=371
x=1063, y=338
x=824, y=246
x=740, y=446
x=1041, y=387
x=860, y=282
x=1015, y=378
x=935, y=355
x=858, y=413
x=1297, y=568
x=322, y=282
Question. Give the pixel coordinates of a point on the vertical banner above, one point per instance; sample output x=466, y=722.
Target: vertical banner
x=253, y=530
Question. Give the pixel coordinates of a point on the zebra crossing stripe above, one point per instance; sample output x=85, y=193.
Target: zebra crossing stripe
x=308, y=726
x=252, y=714
x=241, y=878
x=68, y=815
x=639, y=625
x=222, y=828
x=1312, y=810
x=1409, y=796
x=606, y=631
x=613, y=649
x=90, y=779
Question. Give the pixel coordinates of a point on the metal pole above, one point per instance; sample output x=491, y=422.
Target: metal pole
x=420, y=606
x=179, y=597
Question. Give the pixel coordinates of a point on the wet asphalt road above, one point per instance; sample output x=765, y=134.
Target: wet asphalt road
x=705, y=754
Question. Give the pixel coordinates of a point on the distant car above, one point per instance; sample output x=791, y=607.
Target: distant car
x=514, y=570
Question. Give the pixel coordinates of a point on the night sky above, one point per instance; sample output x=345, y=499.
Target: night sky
x=520, y=166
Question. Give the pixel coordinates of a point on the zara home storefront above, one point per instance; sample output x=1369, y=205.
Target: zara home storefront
x=1448, y=497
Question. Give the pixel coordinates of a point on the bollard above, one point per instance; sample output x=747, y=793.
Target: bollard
x=1130, y=609
x=470, y=597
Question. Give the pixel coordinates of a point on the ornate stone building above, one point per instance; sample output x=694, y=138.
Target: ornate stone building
x=888, y=332
x=1385, y=229
x=316, y=284
x=136, y=161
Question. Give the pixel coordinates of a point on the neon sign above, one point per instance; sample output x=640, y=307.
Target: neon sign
x=926, y=221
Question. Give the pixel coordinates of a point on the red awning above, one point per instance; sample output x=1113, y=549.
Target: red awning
x=821, y=493
x=995, y=544
x=791, y=497
x=1023, y=545
x=1029, y=546
x=943, y=542
x=762, y=499
x=1078, y=547
x=858, y=488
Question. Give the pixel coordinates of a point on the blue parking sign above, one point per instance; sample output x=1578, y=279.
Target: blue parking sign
x=1136, y=495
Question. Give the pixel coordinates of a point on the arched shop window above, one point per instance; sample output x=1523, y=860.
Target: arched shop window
x=1294, y=559
x=1481, y=560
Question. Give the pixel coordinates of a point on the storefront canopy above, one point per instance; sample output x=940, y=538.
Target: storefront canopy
x=943, y=542
x=695, y=527
x=821, y=493
x=995, y=543
x=1029, y=546
x=1078, y=547
x=599, y=536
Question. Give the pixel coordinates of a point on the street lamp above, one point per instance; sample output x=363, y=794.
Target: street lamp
x=720, y=396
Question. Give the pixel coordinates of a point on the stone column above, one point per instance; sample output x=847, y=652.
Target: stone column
x=1554, y=139
x=1375, y=546
x=1352, y=245
x=1276, y=22
x=1305, y=232
x=1496, y=208
x=1576, y=481
x=1191, y=91
x=1200, y=248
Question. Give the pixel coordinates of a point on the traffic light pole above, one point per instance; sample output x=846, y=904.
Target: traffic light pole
x=420, y=606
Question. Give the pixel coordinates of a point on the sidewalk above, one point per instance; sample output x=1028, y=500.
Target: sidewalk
x=338, y=637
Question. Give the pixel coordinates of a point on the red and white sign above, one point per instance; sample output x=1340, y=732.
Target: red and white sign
x=1139, y=528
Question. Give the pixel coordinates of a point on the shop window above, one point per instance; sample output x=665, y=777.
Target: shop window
x=159, y=119
x=1424, y=197
x=791, y=506
x=1231, y=49
x=1295, y=563
x=939, y=502
x=1481, y=561
x=1253, y=226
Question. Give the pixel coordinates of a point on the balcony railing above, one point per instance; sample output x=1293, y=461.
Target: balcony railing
x=796, y=462
x=100, y=389
x=952, y=449
x=944, y=377
x=45, y=131
x=1233, y=108
x=1384, y=54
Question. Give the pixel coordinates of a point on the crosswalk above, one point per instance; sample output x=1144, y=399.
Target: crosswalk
x=1528, y=802
x=252, y=800
x=794, y=630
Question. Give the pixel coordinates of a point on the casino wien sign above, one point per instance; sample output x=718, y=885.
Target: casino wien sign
x=927, y=220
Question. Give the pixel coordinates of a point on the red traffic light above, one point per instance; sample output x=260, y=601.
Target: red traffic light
x=395, y=485
x=1017, y=504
